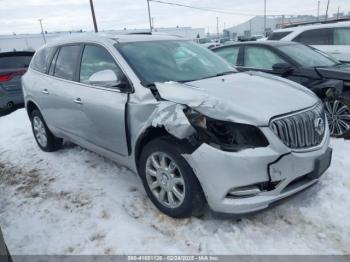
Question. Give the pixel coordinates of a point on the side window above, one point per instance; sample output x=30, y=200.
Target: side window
x=278, y=35
x=66, y=62
x=323, y=36
x=53, y=62
x=230, y=54
x=342, y=36
x=41, y=59
x=96, y=59
x=260, y=57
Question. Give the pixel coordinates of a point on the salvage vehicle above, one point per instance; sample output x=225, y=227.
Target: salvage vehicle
x=324, y=75
x=196, y=131
x=12, y=66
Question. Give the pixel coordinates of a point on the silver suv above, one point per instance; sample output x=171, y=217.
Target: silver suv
x=196, y=131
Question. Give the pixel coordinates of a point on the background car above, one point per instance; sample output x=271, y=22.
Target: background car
x=333, y=38
x=324, y=75
x=12, y=66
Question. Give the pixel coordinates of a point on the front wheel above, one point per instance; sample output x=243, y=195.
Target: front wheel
x=169, y=180
x=338, y=116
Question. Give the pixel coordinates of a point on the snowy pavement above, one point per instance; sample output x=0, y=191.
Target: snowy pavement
x=76, y=202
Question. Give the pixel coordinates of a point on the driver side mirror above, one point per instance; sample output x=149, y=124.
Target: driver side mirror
x=108, y=78
x=282, y=68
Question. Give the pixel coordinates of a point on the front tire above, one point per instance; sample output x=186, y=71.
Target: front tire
x=169, y=181
x=43, y=136
x=338, y=117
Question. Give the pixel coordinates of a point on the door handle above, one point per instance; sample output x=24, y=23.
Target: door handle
x=78, y=101
x=45, y=91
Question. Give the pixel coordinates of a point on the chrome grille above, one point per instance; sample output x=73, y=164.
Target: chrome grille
x=301, y=130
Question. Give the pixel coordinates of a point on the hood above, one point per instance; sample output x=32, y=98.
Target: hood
x=251, y=98
x=341, y=72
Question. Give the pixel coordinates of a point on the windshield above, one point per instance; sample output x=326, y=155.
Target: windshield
x=307, y=57
x=172, y=60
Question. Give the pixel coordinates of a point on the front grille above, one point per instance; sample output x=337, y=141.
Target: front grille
x=301, y=130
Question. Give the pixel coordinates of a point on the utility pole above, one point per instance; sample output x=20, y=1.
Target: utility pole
x=338, y=12
x=149, y=16
x=318, y=10
x=264, y=17
x=327, y=10
x=217, y=26
x=42, y=29
x=93, y=15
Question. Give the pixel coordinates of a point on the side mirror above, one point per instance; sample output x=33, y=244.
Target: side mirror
x=107, y=78
x=282, y=68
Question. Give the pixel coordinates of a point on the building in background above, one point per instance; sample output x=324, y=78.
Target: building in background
x=31, y=42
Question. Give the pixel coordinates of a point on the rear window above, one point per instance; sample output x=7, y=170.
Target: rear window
x=41, y=58
x=14, y=62
x=278, y=35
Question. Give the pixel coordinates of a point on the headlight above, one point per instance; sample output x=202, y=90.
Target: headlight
x=227, y=136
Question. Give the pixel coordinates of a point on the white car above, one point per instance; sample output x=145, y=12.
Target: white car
x=333, y=38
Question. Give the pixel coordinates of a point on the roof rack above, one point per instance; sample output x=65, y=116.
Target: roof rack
x=317, y=22
x=140, y=33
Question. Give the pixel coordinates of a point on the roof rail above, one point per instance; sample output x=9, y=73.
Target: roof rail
x=140, y=33
x=317, y=22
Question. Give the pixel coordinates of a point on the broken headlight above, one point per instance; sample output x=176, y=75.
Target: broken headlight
x=227, y=136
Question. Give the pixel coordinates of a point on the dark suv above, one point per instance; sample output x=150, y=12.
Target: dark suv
x=324, y=75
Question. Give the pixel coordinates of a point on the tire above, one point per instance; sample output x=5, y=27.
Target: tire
x=193, y=201
x=43, y=136
x=338, y=117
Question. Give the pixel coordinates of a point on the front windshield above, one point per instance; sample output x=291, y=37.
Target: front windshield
x=307, y=57
x=172, y=60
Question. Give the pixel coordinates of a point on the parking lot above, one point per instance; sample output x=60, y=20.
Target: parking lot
x=76, y=202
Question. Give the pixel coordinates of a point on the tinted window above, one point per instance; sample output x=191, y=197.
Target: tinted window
x=342, y=36
x=66, y=62
x=260, y=57
x=53, y=63
x=307, y=56
x=14, y=62
x=173, y=60
x=41, y=59
x=322, y=36
x=96, y=59
x=230, y=54
x=278, y=35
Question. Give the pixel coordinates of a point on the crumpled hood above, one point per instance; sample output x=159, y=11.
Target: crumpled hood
x=251, y=97
x=337, y=72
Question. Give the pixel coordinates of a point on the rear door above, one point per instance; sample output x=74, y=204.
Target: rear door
x=103, y=120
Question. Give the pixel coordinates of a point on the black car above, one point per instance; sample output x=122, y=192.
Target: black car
x=324, y=75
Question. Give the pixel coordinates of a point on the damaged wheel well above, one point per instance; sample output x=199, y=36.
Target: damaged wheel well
x=159, y=132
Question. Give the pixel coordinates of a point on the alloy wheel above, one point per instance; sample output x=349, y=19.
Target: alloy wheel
x=165, y=180
x=40, y=131
x=338, y=116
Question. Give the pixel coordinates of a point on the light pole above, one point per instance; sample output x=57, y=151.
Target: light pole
x=42, y=29
x=327, y=10
x=318, y=10
x=265, y=17
x=93, y=15
x=149, y=16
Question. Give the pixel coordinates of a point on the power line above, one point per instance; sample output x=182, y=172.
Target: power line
x=213, y=9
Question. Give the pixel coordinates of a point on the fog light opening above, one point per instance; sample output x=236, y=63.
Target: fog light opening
x=247, y=191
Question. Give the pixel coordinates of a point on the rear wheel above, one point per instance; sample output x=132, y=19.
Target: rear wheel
x=338, y=116
x=169, y=180
x=43, y=136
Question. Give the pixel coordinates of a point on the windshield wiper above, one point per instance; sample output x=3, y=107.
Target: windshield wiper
x=226, y=73
x=219, y=74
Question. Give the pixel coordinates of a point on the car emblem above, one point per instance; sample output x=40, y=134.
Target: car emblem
x=319, y=125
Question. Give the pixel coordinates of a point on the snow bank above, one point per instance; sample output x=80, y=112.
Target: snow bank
x=76, y=202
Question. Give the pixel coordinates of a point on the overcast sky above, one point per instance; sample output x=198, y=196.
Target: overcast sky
x=21, y=16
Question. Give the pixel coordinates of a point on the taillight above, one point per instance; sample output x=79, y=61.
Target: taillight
x=10, y=75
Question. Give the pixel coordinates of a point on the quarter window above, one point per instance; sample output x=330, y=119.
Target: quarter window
x=40, y=62
x=230, y=54
x=322, y=36
x=278, y=35
x=260, y=57
x=96, y=59
x=66, y=62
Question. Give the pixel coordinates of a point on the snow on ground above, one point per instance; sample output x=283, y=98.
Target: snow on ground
x=76, y=202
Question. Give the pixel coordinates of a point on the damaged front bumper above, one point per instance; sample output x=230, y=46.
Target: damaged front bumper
x=253, y=179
